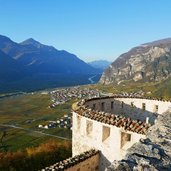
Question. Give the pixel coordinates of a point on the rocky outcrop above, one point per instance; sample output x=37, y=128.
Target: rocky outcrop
x=148, y=62
x=151, y=154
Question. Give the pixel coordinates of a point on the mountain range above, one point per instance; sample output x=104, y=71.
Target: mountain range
x=31, y=62
x=149, y=62
x=31, y=65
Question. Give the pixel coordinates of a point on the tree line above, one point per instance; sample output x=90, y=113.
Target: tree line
x=35, y=158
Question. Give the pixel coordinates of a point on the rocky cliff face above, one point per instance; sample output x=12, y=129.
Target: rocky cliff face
x=151, y=154
x=148, y=62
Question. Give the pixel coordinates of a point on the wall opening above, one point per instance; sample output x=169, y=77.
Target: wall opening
x=156, y=107
x=78, y=122
x=143, y=106
x=105, y=133
x=122, y=105
x=94, y=106
x=125, y=137
x=111, y=105
x=147, y=120
x=132, y=104
x=102, y=106
x=89, y=128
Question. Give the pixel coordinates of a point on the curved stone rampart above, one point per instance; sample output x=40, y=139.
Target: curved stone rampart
x=116, y=120
x=113, y=124
x=143, y=109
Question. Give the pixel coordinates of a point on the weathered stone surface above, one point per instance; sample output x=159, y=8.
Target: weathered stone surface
x=119, y=166
x=152, y=153
x=148, y=62
x=86, y=161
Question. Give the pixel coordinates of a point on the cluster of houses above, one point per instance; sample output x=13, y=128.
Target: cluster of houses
x=61, y=96
x=64, y=122
x=132, y=94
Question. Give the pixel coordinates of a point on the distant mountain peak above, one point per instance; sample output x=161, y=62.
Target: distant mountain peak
x=33, y=42
x=100, y=64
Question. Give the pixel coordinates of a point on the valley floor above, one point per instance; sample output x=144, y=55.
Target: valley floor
x=47, y=81
x=21, y=115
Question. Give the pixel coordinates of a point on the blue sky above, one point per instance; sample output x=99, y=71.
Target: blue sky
x=91, y=29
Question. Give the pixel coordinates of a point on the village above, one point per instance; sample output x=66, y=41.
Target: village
x=61, y=96
x=63, y=122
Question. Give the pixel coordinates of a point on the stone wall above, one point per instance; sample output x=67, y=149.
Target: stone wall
x=90, y=164
x=104, y=137
x=86, y=161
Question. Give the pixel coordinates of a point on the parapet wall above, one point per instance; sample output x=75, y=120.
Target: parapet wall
x=135, y=108
x=86, y=161
x=112, y=141
x=90, y=164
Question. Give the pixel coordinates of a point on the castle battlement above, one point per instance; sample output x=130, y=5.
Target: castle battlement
x=116, y=120
x=113, y=124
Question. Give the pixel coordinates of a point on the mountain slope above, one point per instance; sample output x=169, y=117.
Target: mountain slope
x=148, y=62
x=9, y=68
x=36, y=66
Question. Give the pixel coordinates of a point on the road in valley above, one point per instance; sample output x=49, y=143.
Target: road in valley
x=30, y=130
x=91, y=79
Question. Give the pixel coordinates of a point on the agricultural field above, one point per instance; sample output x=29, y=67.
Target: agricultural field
x=151, y=89
x=20, y=117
